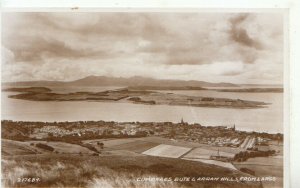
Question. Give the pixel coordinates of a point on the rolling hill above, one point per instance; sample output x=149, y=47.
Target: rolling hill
x=120, y=81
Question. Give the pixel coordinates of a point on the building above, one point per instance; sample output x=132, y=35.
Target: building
x=182, y=122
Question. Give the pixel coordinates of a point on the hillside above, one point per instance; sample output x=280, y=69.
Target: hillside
x=253, y=90
x=114, y=81
x=115, y=169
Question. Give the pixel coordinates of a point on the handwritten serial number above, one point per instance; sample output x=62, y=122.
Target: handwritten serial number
x=29, y=180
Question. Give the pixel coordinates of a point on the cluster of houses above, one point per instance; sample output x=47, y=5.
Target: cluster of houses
x=54, y=130
x=221, y=136
x=59, y=131
x=262, y=141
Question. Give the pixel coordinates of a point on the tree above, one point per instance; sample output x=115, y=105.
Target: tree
x=100, y=144
x=172, y=133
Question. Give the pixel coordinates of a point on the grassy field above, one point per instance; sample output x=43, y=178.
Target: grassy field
x=200, y=153
x=163, y=150
x=265, y=166
x=278, y=147
x=10, y=147
x=167, y=141
x=265, y=171
x=154, y=149
x=137, y=146
x=110, y=171
x=191, y=144
x=213, y=162
x=266, y=161
x=110, y=143
x=62, y=147
x=115, y=142
x=121, y=162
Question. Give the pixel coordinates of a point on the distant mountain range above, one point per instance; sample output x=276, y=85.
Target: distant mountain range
x=136, y=81
x=114, y=81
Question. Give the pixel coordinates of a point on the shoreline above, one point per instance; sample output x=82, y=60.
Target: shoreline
x=145, y=97
x=169, y=123
x=247, y=130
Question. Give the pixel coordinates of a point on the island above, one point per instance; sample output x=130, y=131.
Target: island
x=165, y=88
x=128, y=95
x=252, y=90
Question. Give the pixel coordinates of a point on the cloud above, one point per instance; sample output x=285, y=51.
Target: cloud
x=209, y=46
x=225, y=68
x=240, y=35
x=7, y=56
x=39, y=48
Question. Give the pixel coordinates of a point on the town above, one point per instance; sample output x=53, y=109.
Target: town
x=215, y=136
x=219, y=146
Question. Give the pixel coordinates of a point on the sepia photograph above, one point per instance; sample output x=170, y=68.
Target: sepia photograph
x=143, y=99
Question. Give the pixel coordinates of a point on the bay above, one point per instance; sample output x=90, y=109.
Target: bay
x=268, y=119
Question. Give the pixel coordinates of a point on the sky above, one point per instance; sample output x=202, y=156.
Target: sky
x=209, y=46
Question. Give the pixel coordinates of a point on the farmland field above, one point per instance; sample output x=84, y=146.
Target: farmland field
x=214, y=162
x=163, y=150
x=265, y=166
x=23, y=148
x=200, y=153
x=264, y=171
x=10, y=147
x=266, y=161
x=167, y=141
x=63, y=147
x=277, y=147
x=191, y=144
x=136, y=146
x=111, y=142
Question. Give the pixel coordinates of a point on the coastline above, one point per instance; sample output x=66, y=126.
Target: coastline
x=134, y=96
